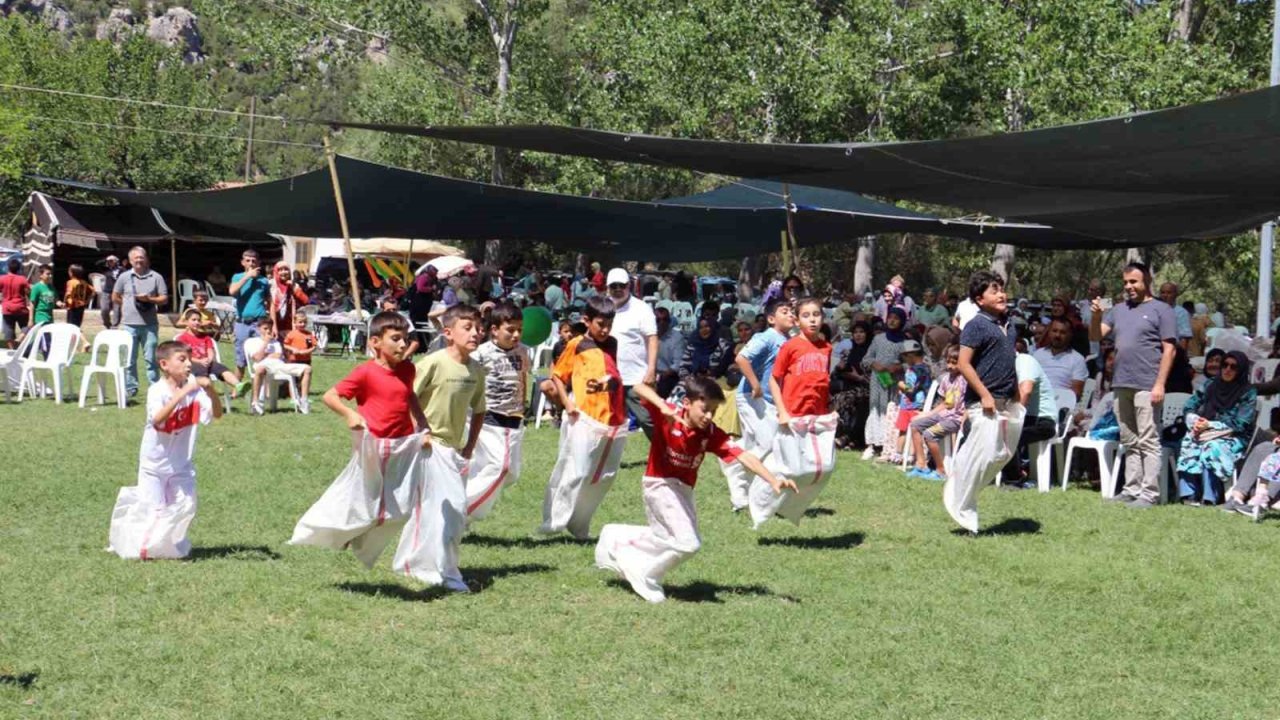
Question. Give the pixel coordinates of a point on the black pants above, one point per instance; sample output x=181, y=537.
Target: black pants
x=1034, y=430
x=642, y=415
x=75, y=316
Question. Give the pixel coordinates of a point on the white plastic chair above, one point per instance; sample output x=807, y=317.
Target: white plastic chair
x=99, y=283
x=270, y=390
x=1173, y=408
x=115, y=346
x=226, y=399
x=64, y=338
x=1211, y=336
x=11, y=361
x=1264, y=369
x=1086, y=394
x=1108, y=452
x=683, y=317
x=1042, y=452
x=187, y=293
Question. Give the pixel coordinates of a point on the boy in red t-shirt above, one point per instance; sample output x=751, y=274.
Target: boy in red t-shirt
x=204, y=362
x=681, y=437
x=383, y=482
x=801, y=375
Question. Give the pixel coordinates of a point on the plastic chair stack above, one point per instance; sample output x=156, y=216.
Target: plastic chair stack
x=187, y=293
x=11, y=361
x=114, y=348
x=1173, y=408
x=64, y=338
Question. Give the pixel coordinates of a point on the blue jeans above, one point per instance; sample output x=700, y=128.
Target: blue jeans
x=145, y=338
x=244, y=331
x=1208, y=487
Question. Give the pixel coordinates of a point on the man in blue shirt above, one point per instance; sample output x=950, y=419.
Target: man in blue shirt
x=757, y=414
x=1038, y=395
x=251, y=291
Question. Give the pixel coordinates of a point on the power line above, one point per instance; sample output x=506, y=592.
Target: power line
x=114, y=126
x=135, y=101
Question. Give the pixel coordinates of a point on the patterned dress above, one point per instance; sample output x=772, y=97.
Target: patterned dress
x=884, y=352
x=1218, y=457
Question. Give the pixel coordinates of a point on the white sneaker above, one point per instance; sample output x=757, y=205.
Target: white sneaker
x=869, y=453
x=257, y=409
x=304, y=406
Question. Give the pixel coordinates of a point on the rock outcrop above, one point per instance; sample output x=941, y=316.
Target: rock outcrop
x=177, y=28
x=46, y=11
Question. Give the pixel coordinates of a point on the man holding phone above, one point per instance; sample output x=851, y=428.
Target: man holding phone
x=251, y=291
x=139, y=292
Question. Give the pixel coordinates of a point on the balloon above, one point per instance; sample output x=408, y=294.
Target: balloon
x=537, y=325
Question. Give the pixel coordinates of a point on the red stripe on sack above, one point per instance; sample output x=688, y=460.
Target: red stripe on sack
x=604, y=456
x=817, y=453
x=417, y=525
x=384, y=454
x=506, y=465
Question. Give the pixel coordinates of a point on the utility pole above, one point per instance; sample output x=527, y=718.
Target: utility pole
x=1268, y=230
x=248, y=151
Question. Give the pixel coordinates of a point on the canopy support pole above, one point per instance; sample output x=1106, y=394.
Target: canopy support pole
x=342, y=220
x=408, y=272
x=173, y=273
x=1268, y=230
x=789, y=246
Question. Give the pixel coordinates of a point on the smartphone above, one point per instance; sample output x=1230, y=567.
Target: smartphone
x=1105, y=303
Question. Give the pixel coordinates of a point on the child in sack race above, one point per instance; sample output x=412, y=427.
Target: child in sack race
x=496, y=461
x=682, y=436
x=150, y=519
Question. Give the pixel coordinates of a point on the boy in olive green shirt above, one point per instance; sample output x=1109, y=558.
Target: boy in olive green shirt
x=450, y=387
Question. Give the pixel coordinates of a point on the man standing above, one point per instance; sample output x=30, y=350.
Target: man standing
x=931, y=313
x=1169, y=295
x=1145, y=333
x=670, y=352
x=1085, y=307
x=636, y=330
x=139, y=292
x=110, y=310
x=1064, y=366
x=251, y=290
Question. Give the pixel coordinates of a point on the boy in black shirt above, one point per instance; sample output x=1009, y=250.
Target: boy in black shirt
x=992, y=412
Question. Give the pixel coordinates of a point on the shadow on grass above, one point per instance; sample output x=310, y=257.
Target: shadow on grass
x=1011, y=526
x=25, y=681
x=632, y=464
x=524, y=542
x=701, y=591
x=233, y=552
x=818, y=512
x=478, y=579
x=834, y=542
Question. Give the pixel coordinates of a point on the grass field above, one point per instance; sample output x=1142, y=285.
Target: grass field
x=873, y=607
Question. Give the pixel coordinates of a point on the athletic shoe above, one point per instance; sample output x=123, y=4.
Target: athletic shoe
x=456, y=585
x=869, y=453
x=257, y=409
x=1120, y=498
x=932, y=476
x=1191, y=502
x=914, y=472
x=1140, y=504
x=242, y=386
x=1233, y=505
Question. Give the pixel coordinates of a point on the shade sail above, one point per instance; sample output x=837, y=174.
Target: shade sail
x=384, y=201
x=93, y=226
x=420, y=250
x=1195, y=171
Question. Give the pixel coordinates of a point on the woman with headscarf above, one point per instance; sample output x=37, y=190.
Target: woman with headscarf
x=707, y=352
x=1219, y=418
x=850, y=392
x=1212, y=365
x=882, y=365
x=286, y=298
x=426, y=287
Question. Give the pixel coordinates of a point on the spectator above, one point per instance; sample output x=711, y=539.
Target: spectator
x=43, y=300
x=1103, y=400
x=1200, y=323
x=850, y=392
x=844, y=312
x=426, y=286
x=270, y=360
x=1219, y=317
x=636, y=331
x=251, y=291
x=943, y=420
x=14, y=290
x=1146, y=334
x=965, y=311
x=664, y=288
x=139, y=292
x=882, y=363
x=760, y=324
x=1064, y=366
x=1212, y=364
x=913, y=390
x=793, y=288
x=76, y=297
x=931, y=312
x=110, y=310
x=706, y=353
x=1219, y=420
x=1035, y=393
x=217, y=279
x=285, y=298
x=597, y=278
x=554, y=298
x=744, y=333
x=1169, y=295
x=671, y=348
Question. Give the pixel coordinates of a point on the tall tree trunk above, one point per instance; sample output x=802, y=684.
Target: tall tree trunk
x=749, y=277
x=864, y=265
x=1135, y=255
x=1187, y=18
x=1002, y=262
x=502, y=29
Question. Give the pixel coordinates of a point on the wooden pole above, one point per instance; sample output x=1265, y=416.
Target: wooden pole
x=173, y=273
x=248, y=151
x=342, y=220
x=408, y=271
x=789, y=238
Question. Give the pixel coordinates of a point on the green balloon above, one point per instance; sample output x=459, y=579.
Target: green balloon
x=537, y=325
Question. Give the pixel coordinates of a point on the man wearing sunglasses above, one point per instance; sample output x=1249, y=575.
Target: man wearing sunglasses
x=636, y=330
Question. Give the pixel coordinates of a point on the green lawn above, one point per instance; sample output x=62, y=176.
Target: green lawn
x=872, y=608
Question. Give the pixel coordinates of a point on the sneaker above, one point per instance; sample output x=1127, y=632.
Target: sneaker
x=869, y=453
x=932, y=476
x=456, y=585
x=915, y=472
x=1140, y=504
x=1191, y=502
x=257, y=409
x=1232, y=505
x=304, y=406
x=1120, y=498
x=242, y=386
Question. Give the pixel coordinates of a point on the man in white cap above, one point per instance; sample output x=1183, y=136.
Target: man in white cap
x=110, y=311
x=636, y=330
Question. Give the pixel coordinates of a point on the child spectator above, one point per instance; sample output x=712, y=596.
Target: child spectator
x=14, y=290
x=567, y=332
x=208, y=321
x=450, y=385
x=941, y=421
x=496, y=461
x=595, y=429
x=645, y=554
x=150, y=519
x=757, y=410
x=912, y=389
x=386, y=480
x=300, y=343
x=204, y=361
x=804, y=447
x=76, y=298
x=987, y=362
x=270, y=359
x=43, y=299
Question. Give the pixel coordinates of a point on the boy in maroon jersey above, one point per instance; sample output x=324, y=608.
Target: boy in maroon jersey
x=682, y=436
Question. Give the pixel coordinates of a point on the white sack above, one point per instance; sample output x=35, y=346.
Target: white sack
x=369, y=501
x=428, y=547
x=495, y=464
x=643, y=555
x=988, y=444
x=150, y=519
x=759, y=422
x=805, y=453
x=589, y=454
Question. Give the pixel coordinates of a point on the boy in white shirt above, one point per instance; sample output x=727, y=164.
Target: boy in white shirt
x=271, y=359
x=150, y=519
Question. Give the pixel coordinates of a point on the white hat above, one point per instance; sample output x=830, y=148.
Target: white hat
x=617, y=275
x=911, y=346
